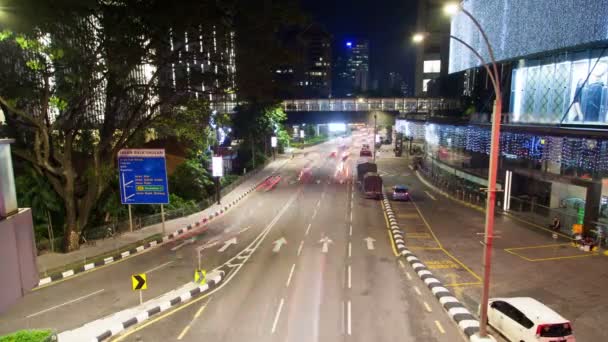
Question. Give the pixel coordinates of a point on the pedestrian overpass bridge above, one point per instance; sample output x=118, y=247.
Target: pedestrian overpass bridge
x=318, y=111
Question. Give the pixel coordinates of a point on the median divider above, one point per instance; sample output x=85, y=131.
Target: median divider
x=112, y=325
x=467, y=323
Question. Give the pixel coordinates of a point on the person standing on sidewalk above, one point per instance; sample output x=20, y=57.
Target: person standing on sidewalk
x=556, y=226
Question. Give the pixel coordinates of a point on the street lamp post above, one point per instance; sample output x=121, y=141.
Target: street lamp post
x=494, y=76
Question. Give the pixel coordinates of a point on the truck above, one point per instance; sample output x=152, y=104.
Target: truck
x=364, y=165
x=372, y=185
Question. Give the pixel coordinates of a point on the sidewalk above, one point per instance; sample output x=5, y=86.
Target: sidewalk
x=52, y=262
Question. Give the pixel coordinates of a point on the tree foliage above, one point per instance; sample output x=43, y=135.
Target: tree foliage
x=71, y=94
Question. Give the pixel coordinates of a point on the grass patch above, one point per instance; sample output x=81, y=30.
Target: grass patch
x=99, y=257
x=28, y=336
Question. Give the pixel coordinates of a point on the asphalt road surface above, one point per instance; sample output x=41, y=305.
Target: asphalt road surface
x=323, y=271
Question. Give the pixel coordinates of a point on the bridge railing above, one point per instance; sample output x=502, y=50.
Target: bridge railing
x=353, y=104
x=410, y=104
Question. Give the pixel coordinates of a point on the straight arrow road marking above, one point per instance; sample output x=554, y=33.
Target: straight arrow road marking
x=325, y=241
x=227, y=244
x=370, y=242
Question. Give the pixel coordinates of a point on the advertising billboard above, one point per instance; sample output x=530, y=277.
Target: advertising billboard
x=568, y=88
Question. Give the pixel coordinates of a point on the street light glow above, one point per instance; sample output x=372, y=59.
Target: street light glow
x=418, y=38
x=451, y=8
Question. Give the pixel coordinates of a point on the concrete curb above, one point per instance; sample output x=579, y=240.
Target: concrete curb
x=200, y=223
x=455, y=309
x=164, y=306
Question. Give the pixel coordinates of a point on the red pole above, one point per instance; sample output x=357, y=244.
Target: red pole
x=491, y=205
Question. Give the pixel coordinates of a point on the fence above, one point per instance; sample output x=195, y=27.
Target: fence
x=118, y=227
x=524, y=208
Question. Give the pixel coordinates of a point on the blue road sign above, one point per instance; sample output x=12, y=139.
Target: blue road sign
x=143, y=176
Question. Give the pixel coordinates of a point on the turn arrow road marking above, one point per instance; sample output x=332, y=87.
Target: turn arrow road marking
x=278, y=243
x=227, y=244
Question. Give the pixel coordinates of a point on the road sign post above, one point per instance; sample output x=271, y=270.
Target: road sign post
x=143, y=179
x=139, y=283
x=162, y=217
x=130, y=220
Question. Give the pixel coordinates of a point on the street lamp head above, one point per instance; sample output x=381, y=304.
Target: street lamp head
x=451, y=8
x=360, y=100
x=418, y=38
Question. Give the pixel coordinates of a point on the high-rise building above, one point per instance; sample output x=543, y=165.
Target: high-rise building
x=352, y=69
x=315, y=80
x=396, y=86
x=432, y=54
x=205, y=67
x=309, y=75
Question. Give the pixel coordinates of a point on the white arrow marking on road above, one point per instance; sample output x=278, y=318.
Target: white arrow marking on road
x=431, y=196
x=325, y=241
x=227, y=244
x=277, y=244
x=370, y=242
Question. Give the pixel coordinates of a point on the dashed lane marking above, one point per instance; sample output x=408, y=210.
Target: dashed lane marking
x=428, y=307
x=417, y=290
x=439, y=327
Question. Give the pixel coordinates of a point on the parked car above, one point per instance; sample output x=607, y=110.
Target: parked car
x=401, y=193
x=526, y=319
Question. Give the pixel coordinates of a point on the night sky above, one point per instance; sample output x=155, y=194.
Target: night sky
x=388, y=24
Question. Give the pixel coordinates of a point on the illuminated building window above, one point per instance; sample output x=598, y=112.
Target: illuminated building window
x=425, y=84
x=433, y=66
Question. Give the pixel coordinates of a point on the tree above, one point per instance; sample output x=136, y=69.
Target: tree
x=79, y=80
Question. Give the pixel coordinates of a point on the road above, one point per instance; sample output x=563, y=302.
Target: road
x=527, y=261
x=336, y=277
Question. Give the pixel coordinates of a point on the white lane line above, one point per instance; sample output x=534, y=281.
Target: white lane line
x=314, y=214
x=351, y=216
x=401, y=264
x=417, y=290
x=431, y=196
x=343, y=316
x=276, y=317
x=411, y=168
x=300, y=247
x=293, y=267
x=308, y=229
x=409, y=277
x=428, y=308
x=439, y=327
x=158, y=267
x=350, y=283
x=348, y=320
x=64, y=304
x=350, y=231
x=350, y=247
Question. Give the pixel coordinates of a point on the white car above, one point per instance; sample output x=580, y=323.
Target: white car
x=526, y=319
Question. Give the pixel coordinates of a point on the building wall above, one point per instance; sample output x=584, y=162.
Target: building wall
x=519, y=28
x=435, y=47
x=18, y=255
